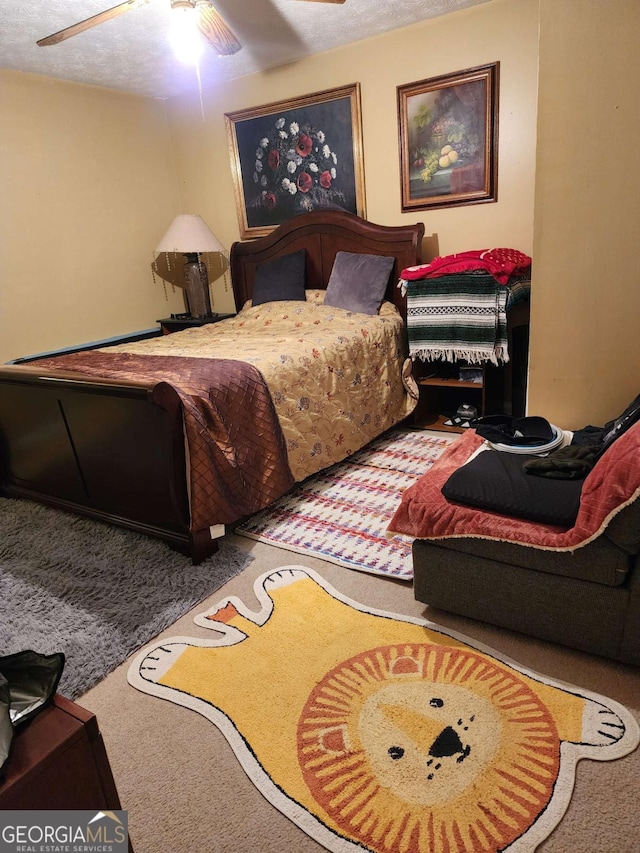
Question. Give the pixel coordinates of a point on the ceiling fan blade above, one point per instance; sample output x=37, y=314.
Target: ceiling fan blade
x=327, y=1
x=80, y=27
x=216, y=30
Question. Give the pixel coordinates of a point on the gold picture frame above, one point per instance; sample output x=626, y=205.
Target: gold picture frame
x=448, y=138
x=298, y=155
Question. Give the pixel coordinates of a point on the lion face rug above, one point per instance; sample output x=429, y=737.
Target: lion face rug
x=374, y=731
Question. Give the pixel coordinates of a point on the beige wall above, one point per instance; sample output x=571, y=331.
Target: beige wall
x=91, y=178
x=586, y=294
x=504, y=31
x=87, y=190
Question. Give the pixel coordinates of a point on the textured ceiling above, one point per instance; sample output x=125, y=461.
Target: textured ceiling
x=132, y=52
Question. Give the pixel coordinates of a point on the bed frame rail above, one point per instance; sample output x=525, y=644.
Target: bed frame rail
x=110, y=450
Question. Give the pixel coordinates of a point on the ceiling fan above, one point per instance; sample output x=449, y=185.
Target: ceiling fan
x=210, y=23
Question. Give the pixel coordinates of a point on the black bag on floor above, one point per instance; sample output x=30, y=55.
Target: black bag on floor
x=28, y=682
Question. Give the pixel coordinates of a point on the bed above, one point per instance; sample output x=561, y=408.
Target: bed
x=179, y=436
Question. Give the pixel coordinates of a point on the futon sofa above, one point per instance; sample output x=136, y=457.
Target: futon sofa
x=577, y=586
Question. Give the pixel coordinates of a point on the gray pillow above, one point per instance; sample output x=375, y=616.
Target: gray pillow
x=358, y=282
x=280, y=279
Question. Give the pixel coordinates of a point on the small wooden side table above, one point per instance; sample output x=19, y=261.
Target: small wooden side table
x=58, y=761
x=177, y=324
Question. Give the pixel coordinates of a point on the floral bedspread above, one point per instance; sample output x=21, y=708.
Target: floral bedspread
x=335, y=377
x=612, y=484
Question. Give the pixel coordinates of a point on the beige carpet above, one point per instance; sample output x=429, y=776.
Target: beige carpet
x=185, y=790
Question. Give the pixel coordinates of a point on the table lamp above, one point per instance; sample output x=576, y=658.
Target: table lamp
x=203, y=260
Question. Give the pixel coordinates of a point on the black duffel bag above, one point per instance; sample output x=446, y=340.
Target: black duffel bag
x=28, y=682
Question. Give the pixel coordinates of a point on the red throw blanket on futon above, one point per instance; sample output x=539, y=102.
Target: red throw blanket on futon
x=612, y=484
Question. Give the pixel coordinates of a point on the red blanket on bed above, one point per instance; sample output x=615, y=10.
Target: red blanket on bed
x=613, y=483
x=237, y=457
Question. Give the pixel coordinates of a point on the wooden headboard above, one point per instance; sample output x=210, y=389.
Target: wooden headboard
x=323, y=234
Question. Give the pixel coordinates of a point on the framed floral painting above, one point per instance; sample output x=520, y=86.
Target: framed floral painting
x=448, y=136
x=296, y=156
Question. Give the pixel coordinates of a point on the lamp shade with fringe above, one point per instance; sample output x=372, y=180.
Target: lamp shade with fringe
x=189, y=256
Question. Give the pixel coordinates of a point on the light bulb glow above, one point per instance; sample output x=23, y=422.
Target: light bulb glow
x=185, y=36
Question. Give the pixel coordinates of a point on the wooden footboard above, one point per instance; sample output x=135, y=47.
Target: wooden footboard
x=111, y=450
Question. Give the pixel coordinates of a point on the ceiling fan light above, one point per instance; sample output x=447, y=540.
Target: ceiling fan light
x=185, y=35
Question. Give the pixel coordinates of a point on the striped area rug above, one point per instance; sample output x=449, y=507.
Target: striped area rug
x=341, y=514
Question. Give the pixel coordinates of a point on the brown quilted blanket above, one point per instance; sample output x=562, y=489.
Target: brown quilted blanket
x=237, y=454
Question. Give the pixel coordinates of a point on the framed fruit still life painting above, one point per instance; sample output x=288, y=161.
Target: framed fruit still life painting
x=297, y=156
x=448, y=138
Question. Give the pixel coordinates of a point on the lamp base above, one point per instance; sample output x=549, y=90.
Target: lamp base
x=197, y=288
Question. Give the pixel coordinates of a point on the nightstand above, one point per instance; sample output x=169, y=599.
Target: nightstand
x=58, y=761
x=177, y=324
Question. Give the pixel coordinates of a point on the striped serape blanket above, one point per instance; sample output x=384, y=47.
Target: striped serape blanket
x=457, y=317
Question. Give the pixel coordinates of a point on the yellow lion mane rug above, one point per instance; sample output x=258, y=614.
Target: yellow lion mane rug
x=381, y=732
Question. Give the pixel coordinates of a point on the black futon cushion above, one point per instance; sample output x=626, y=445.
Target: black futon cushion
x=496, y=481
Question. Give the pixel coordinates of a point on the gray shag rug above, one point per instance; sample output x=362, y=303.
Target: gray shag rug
x=94, y=592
